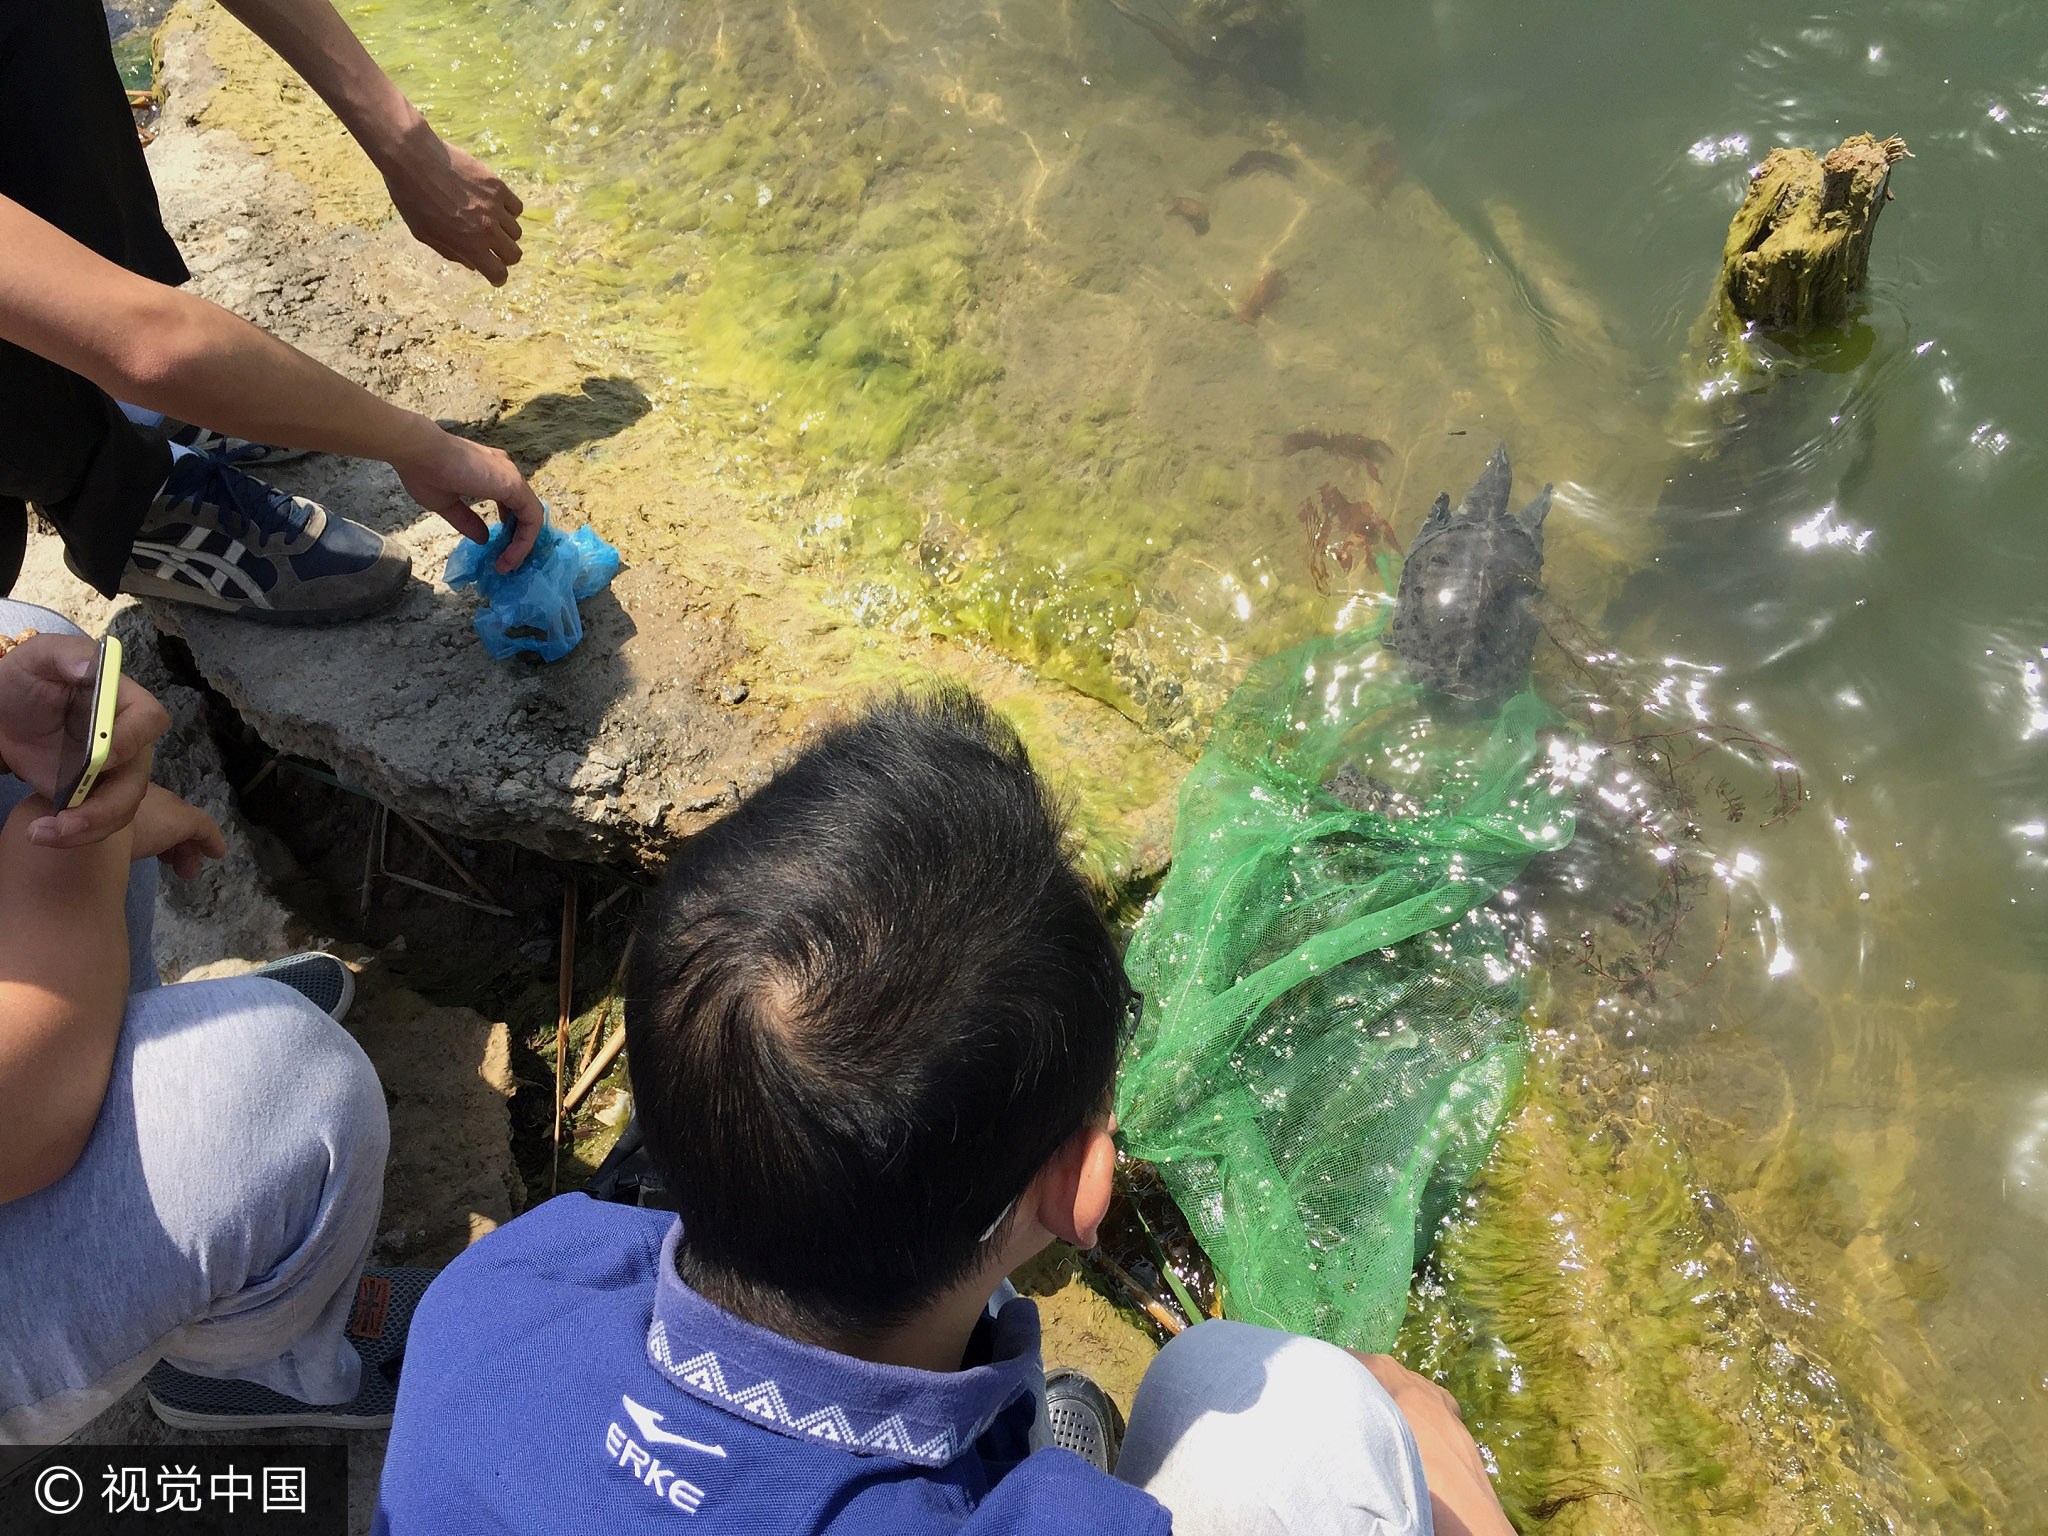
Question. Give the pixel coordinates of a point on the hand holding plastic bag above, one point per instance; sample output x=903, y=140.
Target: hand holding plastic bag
x=534, y=607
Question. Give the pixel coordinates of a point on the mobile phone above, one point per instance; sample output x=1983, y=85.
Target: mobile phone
x=89, y=728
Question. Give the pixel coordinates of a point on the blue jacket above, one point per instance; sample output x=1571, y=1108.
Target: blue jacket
x=559, y=1378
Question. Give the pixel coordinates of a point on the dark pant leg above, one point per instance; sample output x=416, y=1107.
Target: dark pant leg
x=65, y=446
x=68, y=150
x=13, y=540
x=69, y=154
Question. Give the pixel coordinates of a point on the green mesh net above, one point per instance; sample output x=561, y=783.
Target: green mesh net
x=1332, y=1025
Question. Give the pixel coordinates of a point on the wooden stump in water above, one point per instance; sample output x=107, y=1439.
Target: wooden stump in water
x=1798, y=248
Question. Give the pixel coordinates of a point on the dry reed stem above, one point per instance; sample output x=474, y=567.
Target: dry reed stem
x=1146, y=1301
x=600, y=1064
x=564, y=999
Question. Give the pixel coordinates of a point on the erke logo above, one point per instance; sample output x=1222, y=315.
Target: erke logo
x=644, y=1465
x=648, y=1422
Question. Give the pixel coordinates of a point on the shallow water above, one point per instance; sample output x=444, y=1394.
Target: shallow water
x=912, y=267
x=1863, y=574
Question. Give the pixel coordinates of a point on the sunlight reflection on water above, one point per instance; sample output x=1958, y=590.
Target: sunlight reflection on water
x=1847, y=565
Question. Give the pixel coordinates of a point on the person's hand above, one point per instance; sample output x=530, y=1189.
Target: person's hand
x=453, y=203
x=449, y=472
x=176, y=831
x=38, y=679
x=1461, y=1497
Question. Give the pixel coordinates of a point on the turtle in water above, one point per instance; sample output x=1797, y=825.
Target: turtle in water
x=1465, y=617
x=1357, y=790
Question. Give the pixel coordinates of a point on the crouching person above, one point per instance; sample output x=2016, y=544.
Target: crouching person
x=873, y=1023
x=189, y=1175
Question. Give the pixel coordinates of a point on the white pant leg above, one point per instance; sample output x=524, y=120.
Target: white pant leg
x=1244, y=1431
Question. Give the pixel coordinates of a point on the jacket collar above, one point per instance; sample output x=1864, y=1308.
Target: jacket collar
x=926, y=1418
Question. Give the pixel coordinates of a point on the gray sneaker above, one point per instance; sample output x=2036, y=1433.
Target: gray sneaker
x=239, y=451
x=318, y=977
x=377, y=1327
x=1083, y=1419
x=221, y=539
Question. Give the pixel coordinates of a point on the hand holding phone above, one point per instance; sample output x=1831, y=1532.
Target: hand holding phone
x=56, y=694
x=88, y=730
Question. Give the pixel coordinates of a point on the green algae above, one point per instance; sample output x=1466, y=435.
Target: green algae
x=288, y=124
x=1798, y=249
x=1634, y=1361
x=821, y=325
x=858, y=262
x=1115, y=781
x=135, y=58
x=1794, y=264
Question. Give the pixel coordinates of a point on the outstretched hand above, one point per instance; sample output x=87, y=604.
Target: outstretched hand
x=450, y=472
x=454, y=204
x=38, y=679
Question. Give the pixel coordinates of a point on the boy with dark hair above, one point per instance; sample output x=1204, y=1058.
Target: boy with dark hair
x=873, y=1023
x=872, y=1008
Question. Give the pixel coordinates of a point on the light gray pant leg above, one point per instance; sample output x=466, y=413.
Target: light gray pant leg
x=1244, y=1431
x=219, y=1216
x=17, y=616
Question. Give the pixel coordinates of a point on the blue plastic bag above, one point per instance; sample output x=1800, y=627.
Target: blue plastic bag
x=534, y=608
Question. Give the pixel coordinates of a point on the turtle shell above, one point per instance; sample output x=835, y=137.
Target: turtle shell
x=1465, y=616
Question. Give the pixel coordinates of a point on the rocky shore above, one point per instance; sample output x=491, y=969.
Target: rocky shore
x=707, y=658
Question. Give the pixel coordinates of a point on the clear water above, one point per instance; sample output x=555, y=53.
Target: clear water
x=1867, y=581
x=912, y=266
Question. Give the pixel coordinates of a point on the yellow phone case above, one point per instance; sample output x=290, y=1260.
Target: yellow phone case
x=106, y=692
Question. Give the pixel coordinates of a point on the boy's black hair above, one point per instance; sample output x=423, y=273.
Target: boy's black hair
x=867, y=1008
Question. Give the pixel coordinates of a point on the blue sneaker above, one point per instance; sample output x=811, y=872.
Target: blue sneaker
x=220, y=539
x=239, y=451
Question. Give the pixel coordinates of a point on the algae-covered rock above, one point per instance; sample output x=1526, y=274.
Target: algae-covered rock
x=1798, y=248
x=940, y=318
x=1635, y=1359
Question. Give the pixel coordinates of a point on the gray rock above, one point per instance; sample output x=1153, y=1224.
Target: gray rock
x=599, y=776
x=570, y=759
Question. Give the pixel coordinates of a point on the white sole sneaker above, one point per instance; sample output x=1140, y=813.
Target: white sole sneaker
x=320, y=978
